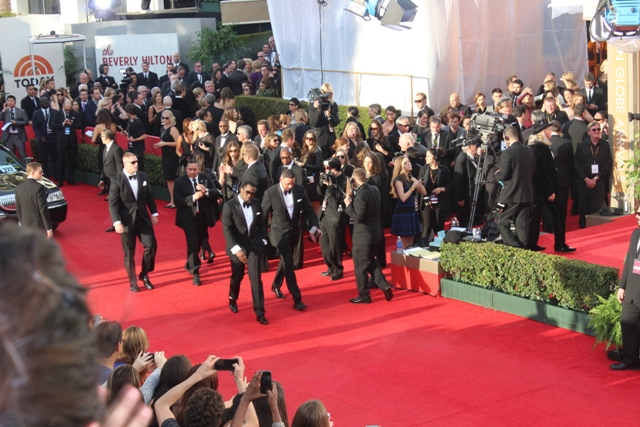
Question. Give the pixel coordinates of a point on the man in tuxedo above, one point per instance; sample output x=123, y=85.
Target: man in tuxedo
x=15, y=136
x=82, y=99
x=194, y=194
x=629, y=296
x=31, y=201
x=165, y=77
x=421, y=104
x=550, y=107
x=364, y=210
x=130, y=200
x=83, y=79
x=111, y=162
x=172, y=75
x=177, y=63
x=576, y=129
x=92, y=107
x=146, y=77
x=224, y=138
x=245, y=233
x=197, y=75
x=284, y=202
x=136, y=133
x=595, y=100
x=47, y=137
x=224, y=79
x=253, y=172
x=31, y=102
x=105, y=79
x=563, y=158
x=435, y=138
x=286, y=160
x=237, y=77
x=516, y=172
x=66, y=123
x=402, y=126
x=179, y=103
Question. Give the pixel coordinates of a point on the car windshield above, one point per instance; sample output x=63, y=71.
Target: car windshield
x=9, y=163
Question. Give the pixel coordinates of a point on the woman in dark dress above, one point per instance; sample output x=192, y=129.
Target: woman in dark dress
x=271, y=142
x=184, y=147
x=311, y=161
x=229, y=183
x=169, y=136
x=154, y=114
x=405, y=222
x=353, y=135
x=378, y=143
x=371, y=166
x=436, y=206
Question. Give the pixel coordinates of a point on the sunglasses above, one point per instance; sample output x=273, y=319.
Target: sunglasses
x=233, y=151
x=133, y=162
x=340, y=157
x=309, y=138
x=595, y=129
x=163, y=117
x=418, y=101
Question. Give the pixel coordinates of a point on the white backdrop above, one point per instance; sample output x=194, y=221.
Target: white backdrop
x=464, y=46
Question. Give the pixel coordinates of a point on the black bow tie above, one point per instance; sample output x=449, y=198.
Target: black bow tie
x=246, y=204
x=132, y=177
x=287, y=192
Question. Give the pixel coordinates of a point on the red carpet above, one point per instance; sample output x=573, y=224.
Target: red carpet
x=415, y=361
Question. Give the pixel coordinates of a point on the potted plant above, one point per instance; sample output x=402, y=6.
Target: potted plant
x=605, y=323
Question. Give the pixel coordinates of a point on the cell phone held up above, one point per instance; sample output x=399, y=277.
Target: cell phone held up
x=265, y=382
x=225, y=364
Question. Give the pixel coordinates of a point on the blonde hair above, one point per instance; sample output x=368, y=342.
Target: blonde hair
x=327, y=88
x=134, y=341
x=397, y=171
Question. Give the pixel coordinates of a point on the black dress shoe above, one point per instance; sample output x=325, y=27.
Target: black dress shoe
x=388, y=294
x=337, y=276
x=110, y=229
x=211, y=257
x=260, y=318
x=360, y=300
x=102, y=192
x=299, y=305
x=624, y=365
x=277, y=291
x=147, y=282
x=233, y=306
x=566, y=248
x=196, y=279
x=537, y=248
x=134, y=288
x=326, y=273
x=72, y=182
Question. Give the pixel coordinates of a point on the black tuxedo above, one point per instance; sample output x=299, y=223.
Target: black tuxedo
x=107, y=81
x=562, y=150
x=298, y=172
x=257, y=174
x=67, y=143
x=132, y=213
x=517, y=164
x=236, y=78
x=333, y=223
x=224, y=82
x=194, y=216
x=284, y=228
x=222, y=146
x=597, y=98
x=559, y=116
x=29, y=105
x=31, y=205
x=151, y=81
x=182, y=64
x=111, y=163
x=444, y=142
x=576, y=130
x=193, y=77
x=161, y=81
x=183, y=106
x=47, y=140
x=365, y=213
x=301, y=178
x=630, y=318
x=252, y=241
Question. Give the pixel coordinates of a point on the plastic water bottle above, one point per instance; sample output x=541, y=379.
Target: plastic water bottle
x=455, y=222
x=399, y=248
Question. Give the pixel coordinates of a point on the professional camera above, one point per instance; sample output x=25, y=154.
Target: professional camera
x=487, y=126
x=126, y=79
x=316, y=94
x=326, y=178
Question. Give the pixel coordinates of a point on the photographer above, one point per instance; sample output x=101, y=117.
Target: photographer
x=332, y=187
x=464, y=176
x=436, y=204
x=324, y=116
x=127, y=79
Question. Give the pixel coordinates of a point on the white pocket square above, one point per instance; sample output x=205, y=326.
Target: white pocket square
x=257, y=213
x=299, y=200
x=144, y=184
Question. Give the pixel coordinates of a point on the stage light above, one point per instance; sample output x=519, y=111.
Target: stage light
x=104, y=9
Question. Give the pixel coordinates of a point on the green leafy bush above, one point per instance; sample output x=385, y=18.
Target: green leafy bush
x=605, y=322
x=568, y=283
x=223, y=44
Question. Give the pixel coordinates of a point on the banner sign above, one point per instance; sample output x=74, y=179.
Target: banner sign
x=120, y=52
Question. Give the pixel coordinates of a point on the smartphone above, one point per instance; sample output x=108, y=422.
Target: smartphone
x=225, y=364
x=265, y=382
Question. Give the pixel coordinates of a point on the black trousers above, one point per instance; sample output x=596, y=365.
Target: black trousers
x=365, y=265
x=381, y=254
x=432, y=220
x=142, y=231
x=630, y=323
x=591, y=200
x=285, y=267
x=298, y=250
x=332, y=245
x=100, y=158
x=67, y=161
x=195, y=236
x=255, y=277
x=534, y=222
x=48, y=151
x=519, y=214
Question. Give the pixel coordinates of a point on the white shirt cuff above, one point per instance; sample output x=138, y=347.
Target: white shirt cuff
x=265, y=241
x=155, y=214
x=116, y=223
x=313, y=229
x=236, y=249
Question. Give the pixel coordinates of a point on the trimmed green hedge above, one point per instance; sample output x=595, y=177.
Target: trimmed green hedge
x=572, y=284
x=264, y=107
x=87, y=161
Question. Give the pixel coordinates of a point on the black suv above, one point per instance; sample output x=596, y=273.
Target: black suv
x=12, y=173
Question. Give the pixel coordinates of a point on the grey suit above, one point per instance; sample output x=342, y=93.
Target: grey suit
x=15, y=136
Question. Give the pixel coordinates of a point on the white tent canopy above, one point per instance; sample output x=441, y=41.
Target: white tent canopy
x=56, y=38
x=463, y=46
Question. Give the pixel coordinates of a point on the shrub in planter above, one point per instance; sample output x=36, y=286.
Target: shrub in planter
x=605, y=322
x=552, y=279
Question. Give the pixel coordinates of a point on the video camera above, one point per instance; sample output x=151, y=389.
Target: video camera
x=316, y=94
x=483, y=128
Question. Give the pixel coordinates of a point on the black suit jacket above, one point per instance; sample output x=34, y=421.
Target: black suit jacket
x=112, y=162
x=90, y=112
x=444, y=142
x=123, y=205
x=234, y=227
x=107, y=81
x=631, y=282
x=31, y=205
x=559, y=116
x=193, y=77
x=443, y=179
x=236, y=78
x=365, y=213
x=298, y=172
x=562, y=150
x=224, y=82
x=282, y=224
x=28, y=105
x=545, y=178
x=576, y=130
x=517, y=164
x=150, y=82
x=185, y=205
x=257, y=174
x=58, y=124
x=40, y=122
x=597, y=98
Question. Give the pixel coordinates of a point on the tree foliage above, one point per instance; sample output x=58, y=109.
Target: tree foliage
x=219, y=45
